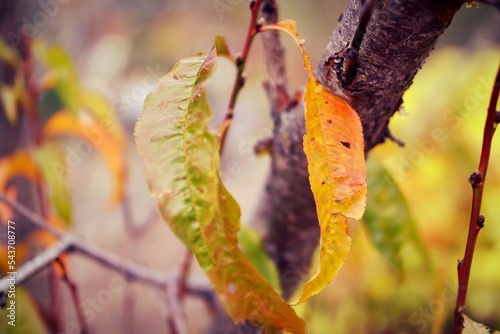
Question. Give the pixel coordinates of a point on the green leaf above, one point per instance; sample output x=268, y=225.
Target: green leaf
x=388, y=218
x=183, y=172
x=251, y=244
x=63, y=71
x=50, y=159
x=334, y=148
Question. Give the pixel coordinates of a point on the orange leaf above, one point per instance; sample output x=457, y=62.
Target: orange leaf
x=334, y=147
x=63, y=123
x=18, y=164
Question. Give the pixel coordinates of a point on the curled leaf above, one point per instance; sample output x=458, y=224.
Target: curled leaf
x=97, y=138
x=334, y=147
x=183, y=172
x=18, y=164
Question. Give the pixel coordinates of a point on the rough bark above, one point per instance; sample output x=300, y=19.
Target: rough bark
x=372, y=73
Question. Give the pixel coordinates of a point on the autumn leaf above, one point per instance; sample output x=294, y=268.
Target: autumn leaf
x=84, y=127
x=18, y=164
x=103, y=113
x=334, y=147
x=183, y=171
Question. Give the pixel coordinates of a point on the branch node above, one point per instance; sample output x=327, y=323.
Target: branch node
x=480, y=221
x=391, y=137
x=259, y=24
x=239, y=60
x=475, y=178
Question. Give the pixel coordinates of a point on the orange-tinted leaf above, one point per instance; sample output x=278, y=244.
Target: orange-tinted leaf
x=65, y=124
x=18, y=164
x=103, y=113
x=334, y=147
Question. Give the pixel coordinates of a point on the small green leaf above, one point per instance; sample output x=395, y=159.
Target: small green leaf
x=183, y=172
x=50, y=159
x=64, y=73
x=388, y=218
x=251, y=244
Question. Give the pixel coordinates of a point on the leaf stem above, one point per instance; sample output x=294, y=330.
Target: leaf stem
x=239, y=81
x=476, y=223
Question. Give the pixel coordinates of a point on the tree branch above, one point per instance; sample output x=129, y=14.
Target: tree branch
x=69, y=242
x=373, y=77
x=73, y=288
x=37, y=264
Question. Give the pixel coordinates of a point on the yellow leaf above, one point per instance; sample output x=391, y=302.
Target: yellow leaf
x=8, y=99
x=103, y=113
x=63, y=123
x=334, y=147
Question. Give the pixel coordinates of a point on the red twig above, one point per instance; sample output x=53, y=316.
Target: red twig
x=183, y=274
x=73, y=288
x=476, y=219
x=239, y=81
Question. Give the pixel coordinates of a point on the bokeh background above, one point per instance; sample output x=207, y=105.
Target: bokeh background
x=121, y=47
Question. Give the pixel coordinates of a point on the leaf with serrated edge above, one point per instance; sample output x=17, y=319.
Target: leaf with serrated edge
x=334, y=147
x=183, y=171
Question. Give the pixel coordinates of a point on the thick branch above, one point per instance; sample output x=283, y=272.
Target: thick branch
x=398, y=39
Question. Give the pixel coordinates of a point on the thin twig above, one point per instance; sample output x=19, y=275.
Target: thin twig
x=184, y=273
x=176, y=318
x=73, y=288
x=239, y=81
x=274, y=54
x=37, y=264
x=476, y=223
x=130, y=269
